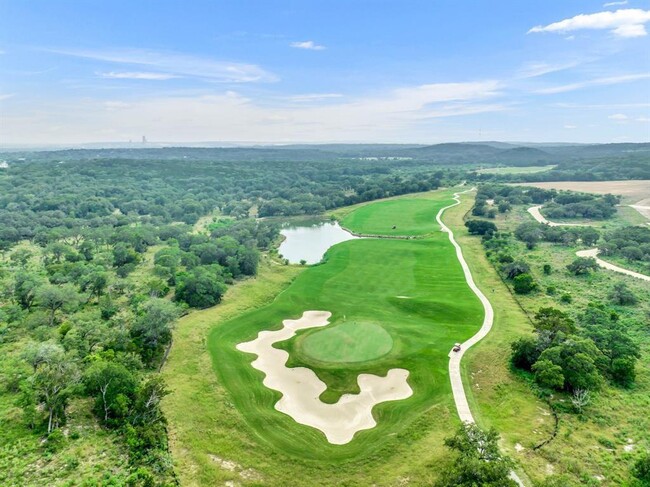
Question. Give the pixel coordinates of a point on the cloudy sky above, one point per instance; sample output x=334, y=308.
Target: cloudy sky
x=307, y=71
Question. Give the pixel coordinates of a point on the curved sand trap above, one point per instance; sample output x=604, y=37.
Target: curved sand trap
x=300, y=387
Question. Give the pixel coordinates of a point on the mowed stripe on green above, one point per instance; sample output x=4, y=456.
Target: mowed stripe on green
x=365, y=281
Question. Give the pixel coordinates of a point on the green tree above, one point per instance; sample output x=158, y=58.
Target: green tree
x=514, y=269
x=113, y=386
x=123, y=255
x=548, y=375
x=622, y=295
x=96, y=282
x=479, y=462
x=524, y=284
x=200, y=288
x=54, y=298
x=582, y=266
x=553, y=321
x=589, y=236
x=54, y=382
x=623, y=371
x=525, y=352
x=25, y=286
x=152, y=329
x=641, y=470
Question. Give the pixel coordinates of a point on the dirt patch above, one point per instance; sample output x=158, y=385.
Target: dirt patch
x=631, y=191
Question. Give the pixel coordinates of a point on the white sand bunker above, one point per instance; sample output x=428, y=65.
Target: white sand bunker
x=301, y=387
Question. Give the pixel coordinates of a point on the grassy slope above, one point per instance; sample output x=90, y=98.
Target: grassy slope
x=585, y=447
x=198, y=404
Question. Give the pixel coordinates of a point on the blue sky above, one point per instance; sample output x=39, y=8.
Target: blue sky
x=336, y=71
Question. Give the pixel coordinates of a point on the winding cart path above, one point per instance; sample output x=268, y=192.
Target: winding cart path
x=462, y=406
x=606, y=265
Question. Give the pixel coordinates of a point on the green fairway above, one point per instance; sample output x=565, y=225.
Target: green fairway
x=362, y=281
x=348, y=342
x=399, y=217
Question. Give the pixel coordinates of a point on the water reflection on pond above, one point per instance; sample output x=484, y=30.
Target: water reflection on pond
x=309, y=241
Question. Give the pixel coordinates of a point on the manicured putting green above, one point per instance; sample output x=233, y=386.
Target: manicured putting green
x=347, y=343
x=400, y=217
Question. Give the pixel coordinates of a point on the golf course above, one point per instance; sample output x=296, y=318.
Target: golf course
x=392, y=303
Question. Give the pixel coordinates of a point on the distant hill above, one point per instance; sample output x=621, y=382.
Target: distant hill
x=472, y=154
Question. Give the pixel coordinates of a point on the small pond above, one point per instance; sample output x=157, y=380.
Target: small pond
x=309, y=241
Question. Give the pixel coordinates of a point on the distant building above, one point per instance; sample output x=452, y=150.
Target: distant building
x=144, y=139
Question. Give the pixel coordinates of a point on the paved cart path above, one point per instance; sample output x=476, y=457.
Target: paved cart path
x=606, y=265
x=462, y=406
x=537, y=215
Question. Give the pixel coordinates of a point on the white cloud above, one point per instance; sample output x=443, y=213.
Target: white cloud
x=116, y=105
x=612, y=4
x=612, y=80
x=307, y=45
x=403, y=114
x=643, y=119
x=570, y=127
x=623, y=23
x=137, y=75
x=313, y=97
x=5, y=96
x=177, y=64
x=620, y=117
x=535, y=69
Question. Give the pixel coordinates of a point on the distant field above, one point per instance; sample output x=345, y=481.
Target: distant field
x=516, y=170
x=631, y=191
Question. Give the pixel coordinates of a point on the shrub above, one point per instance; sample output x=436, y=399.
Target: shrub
x=622, y=295
x=524, y=284
x=480, y=227
x=582, y=266
x=566, y=298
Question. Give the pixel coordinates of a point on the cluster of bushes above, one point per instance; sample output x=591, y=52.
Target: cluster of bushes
x=631, y=243
x=70, y=348
x=531, y=233
x=505, y=197
x=578, y=356
x=582, y=205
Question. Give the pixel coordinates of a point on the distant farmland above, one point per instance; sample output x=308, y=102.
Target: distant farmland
x=633, y=191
